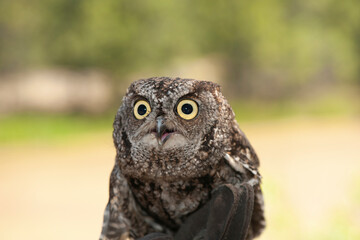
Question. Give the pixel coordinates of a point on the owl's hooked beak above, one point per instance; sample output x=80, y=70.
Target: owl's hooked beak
x=162, y=133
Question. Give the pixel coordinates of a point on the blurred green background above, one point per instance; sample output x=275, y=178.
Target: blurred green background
x=291, y=70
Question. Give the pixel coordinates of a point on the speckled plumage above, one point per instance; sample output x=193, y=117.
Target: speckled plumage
x=154, y=188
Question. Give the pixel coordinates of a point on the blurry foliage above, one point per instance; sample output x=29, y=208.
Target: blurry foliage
x=44, y=128
x=272, y=48
x=47, y=127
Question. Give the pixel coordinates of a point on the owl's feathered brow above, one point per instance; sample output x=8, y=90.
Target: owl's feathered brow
x=169, y=158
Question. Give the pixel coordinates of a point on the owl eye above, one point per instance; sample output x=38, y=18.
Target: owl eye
x=187, y=109
x=141, y=109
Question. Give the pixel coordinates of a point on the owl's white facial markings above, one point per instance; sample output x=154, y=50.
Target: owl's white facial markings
x=159, y=132
x=164, y=135
x=175, y=140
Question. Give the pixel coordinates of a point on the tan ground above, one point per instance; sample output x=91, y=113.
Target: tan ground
x=59, y=191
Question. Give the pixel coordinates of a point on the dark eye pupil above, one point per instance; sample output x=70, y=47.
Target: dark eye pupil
x=142, y=109
x=187, y=108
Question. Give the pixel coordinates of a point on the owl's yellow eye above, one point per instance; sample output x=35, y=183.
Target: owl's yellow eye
x=187, y=109
x=141, y=109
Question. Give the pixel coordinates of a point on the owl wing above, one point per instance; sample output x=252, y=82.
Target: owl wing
x=243, y=159
x=116, y=225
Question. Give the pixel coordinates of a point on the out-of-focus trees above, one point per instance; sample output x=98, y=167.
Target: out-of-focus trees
x=344, y=18
x=270, y=48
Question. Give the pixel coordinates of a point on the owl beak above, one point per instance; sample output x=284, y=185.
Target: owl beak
x=161, y=134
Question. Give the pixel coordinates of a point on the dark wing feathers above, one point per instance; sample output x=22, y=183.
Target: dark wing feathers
x=243, y=159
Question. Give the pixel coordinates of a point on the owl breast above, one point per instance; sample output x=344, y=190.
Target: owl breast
x=171, y=202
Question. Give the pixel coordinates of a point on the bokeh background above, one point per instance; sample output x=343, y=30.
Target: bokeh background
x=291, y=70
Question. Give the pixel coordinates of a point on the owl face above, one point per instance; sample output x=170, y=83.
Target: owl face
x=166, y=122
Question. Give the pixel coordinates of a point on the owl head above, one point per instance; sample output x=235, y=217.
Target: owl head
x=172, y=128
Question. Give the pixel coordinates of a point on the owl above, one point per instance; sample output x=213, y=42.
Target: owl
x=176, y=140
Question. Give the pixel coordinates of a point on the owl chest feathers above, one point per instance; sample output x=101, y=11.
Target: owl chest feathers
x=170, y=202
